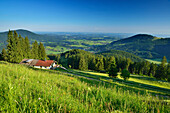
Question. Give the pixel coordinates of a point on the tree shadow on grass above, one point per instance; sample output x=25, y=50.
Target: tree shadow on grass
x=136, y=85
x=145, y=78
x=131, y=85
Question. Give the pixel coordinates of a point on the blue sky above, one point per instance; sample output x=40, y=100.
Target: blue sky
x=108, y=16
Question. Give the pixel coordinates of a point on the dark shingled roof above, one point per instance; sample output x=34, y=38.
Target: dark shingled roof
x=31, y=63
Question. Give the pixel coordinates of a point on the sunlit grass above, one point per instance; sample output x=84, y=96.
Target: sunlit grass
x=24, y=89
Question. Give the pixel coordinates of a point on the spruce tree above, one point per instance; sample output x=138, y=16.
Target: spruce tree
x=152, y=70
x=34, y=50
x=125, y=74
x=113, y=70
x=161, y=72
x=109, y=62
x=82, y=63
x=41, y=51
x=99, y=63
x=27, y=48
x=4, y=54
x=168, y=72
x=11, y=47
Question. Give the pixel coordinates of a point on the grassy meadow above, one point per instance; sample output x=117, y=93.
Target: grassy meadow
x=25, y=89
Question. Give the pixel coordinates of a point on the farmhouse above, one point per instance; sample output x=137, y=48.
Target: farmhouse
x=44, y=64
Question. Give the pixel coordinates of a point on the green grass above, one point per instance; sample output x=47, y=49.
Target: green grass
x=135, y=82
x=24, y=89
x=156, y=61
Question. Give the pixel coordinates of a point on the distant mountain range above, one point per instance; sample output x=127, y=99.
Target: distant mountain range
x=143, y=45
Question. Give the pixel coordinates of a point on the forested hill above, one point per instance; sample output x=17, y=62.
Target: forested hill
x=143, y=45
x=119, y=53
x=31, y=35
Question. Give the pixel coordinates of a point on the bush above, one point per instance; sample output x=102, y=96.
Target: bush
x=113, y=72
x=125, y=74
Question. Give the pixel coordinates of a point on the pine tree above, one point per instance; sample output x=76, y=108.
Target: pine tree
x=41, y=52
x=83, y=64
x=99, y=63
x=125, y=74
x=34, y=50
x=4, y=54
x=168, y=72
x=152, y=70
x=161, y=72
x=19, y=50
x=109, y=62
x=92, y=63
x=27, y=48
x=11, y=47
x=113, y=71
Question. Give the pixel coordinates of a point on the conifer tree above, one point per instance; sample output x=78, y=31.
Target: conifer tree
x=11, y=46
x=82, y=63
x=161, y=72
x=4, y=54
x=41, y=52
x=34, y=50
x=125, y=74
x=99, y=63
x=109, y=62
x=168, y=72
x=27, y=47
x=113, y=70
x=152, y=70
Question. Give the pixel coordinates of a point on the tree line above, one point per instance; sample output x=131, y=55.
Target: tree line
x=83, y=60
x=19, y=48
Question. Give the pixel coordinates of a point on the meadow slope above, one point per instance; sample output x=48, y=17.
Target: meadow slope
x=24, y=89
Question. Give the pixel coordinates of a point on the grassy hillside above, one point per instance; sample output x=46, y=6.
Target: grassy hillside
x=24, y=89
x=143, y=45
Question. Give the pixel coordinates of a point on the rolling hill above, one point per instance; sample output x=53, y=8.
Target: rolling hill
x=143, y=45
x=32, y=36
x=119, y=53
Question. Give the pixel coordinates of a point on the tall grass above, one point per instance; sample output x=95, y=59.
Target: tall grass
x=23, y=89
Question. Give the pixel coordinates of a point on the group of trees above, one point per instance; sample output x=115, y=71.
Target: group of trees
x=161, y=71
x=83, y=60
x=19, y=48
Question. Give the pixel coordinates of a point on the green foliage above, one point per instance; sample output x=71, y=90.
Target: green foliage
x=161, y=72
x=23, y=89
x=113, y=71
x=83, y=64
x=19, y=48
x=119, y=54
x=41, y=52
x=125, y=74
x=34, y=50
x=4, y=55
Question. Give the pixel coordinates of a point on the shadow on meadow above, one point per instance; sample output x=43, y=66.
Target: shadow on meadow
x=132, y=86
x=136, y=85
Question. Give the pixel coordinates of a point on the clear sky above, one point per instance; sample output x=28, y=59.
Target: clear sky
x=112, y=16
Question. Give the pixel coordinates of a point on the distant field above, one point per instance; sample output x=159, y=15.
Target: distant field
x=75, y=44
x=156, y=61
x=25, y=89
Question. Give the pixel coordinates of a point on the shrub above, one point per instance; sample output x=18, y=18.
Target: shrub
x=125, y=74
